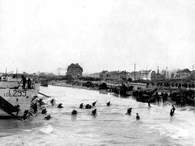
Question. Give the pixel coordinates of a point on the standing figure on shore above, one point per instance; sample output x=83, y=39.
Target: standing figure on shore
x=23, y=82
x=29, y=83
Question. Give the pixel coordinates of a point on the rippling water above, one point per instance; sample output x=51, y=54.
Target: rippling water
x=110, y=127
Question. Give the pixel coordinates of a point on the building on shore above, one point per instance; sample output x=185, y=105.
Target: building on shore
x=74, y=70
x=158, y=76
x=117, y=76
x=146, y=74
x=142, y=75
x=135, y=75
x=192, y=75
x=166, y=74
x=182, y=74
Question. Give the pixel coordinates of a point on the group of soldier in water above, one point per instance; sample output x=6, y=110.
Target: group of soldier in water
x=129, y=110
x=27, y=84
x=40, y=104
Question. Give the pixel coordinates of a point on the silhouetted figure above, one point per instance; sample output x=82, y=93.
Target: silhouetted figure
x=74, y=112
x=52, y=102
x=34, y=107
x=94, y=112
x=23, y=82
x=149, y=104
x=48, y=117
x=26, y=114
x=94, y=103
x=17, y=109
x=88, y=106
x=173, y=108
x=44, y=111
x=29, y=83
x=137, y=116
x=172, y=112
x=81, y=106
x=60, y=105
x=108, y=103
x=40, y=101
x=129, y=111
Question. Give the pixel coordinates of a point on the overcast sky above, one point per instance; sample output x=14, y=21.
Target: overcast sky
x=42, y=35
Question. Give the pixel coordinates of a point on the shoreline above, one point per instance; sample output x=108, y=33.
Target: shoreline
x=72, y=86
x=149, y=95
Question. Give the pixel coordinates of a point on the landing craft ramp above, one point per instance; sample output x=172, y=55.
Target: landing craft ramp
x=7, y=107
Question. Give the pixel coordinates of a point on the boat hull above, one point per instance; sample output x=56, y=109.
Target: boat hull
x=14, y=97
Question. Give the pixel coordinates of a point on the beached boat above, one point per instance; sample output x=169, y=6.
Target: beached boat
x=15, y=99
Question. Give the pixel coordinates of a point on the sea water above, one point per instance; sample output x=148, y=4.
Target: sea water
x=111, y=126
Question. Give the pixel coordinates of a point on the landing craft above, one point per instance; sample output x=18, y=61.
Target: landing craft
x=14, y=93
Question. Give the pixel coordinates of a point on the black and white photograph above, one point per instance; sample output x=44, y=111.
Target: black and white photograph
x=97, y=73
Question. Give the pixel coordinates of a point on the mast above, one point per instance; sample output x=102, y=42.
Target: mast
x=134, y=70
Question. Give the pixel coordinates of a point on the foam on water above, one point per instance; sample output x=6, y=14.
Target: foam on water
x=110, y=127
x=47, y=129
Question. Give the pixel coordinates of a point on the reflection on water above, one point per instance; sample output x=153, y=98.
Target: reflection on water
x=111, y=126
